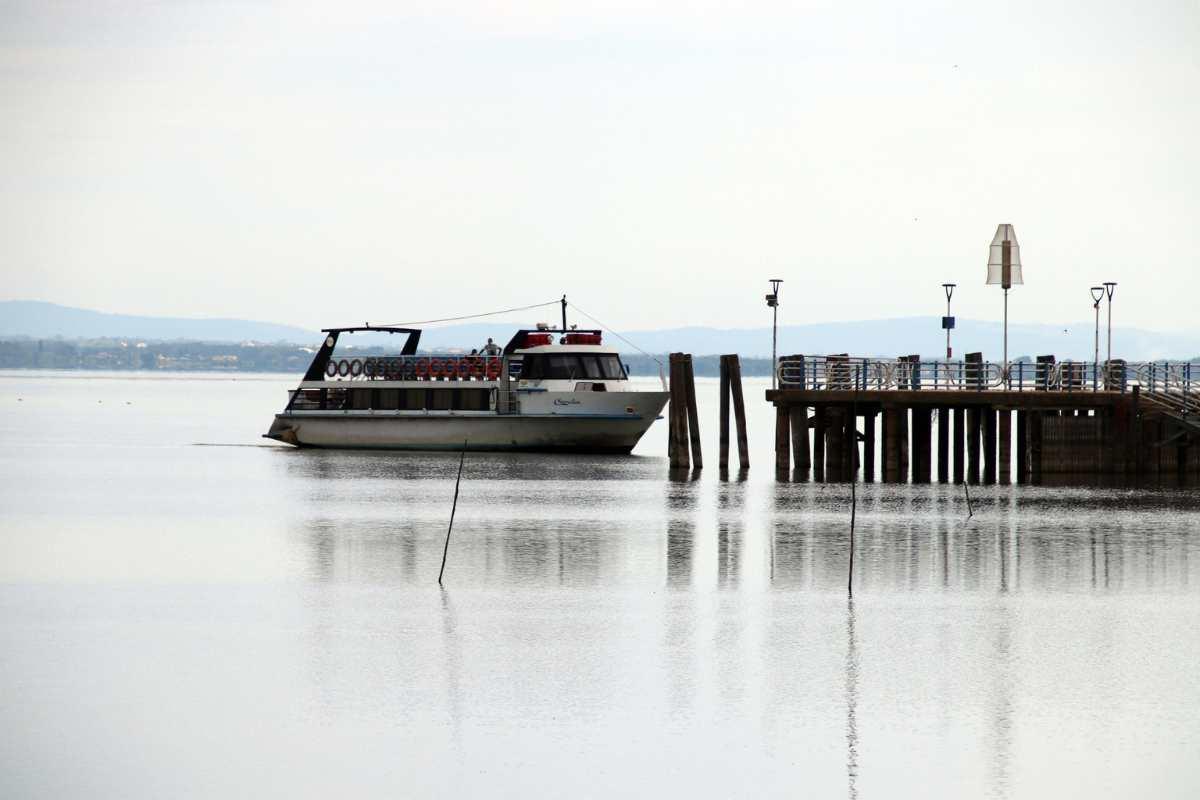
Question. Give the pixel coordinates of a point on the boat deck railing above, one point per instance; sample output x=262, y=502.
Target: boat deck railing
x=417, y=368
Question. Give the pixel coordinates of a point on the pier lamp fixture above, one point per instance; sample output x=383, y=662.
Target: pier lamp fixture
x=1109, y=286
x=773, y=304
x=948, y=321
x=1097, y=296
x=1004, y=268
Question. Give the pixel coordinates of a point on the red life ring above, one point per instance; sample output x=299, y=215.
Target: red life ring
x=493, y=368
x=422, y=367
x=436, y=368
x=464, y=368
x=476, y=366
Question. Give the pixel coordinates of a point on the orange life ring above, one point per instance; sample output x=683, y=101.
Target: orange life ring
x=493, y=368
x=476, y=366
x=422, y=368
x=436, y=368
x=464, y=368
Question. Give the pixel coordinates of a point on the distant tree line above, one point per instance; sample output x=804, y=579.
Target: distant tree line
x=130, y=354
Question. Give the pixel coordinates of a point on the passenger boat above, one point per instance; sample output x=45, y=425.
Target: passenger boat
x=548, y=390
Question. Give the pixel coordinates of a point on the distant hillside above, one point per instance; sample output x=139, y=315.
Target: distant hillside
x=890, y=337
x=48, y=320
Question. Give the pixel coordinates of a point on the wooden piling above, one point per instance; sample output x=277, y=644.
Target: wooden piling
x=739, y=410
x=943, y=445
x=989, y=445
x=689, y=386
x=974, y=420
x=723, y=457
x=820, y=420
x=960, y=440
x=869, y=446
x=799, y=426
x=922, y=429
x=1022, y=447
x=891, y=444
x=1035, y=446
x=850, y=444
x=677, y=416
x=783, y=441
x=1004, y=432
x=835, y=438
x=902, y=440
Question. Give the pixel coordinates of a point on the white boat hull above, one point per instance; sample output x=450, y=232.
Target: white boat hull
x=479, y=430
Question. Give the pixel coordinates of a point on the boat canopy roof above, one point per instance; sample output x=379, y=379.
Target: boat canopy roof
x=521, y=340
x=316, y=370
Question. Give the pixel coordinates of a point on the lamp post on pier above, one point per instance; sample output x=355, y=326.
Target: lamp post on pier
x=773, y=304
x=1004, y=268
x=948, y=321
x=1097, y=296
x=1109, y=286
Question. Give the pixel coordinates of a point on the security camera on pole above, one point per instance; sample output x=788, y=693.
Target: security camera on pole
x=773, y=304
x=1004, y=268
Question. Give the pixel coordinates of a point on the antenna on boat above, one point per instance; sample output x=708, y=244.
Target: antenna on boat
x=564, y=312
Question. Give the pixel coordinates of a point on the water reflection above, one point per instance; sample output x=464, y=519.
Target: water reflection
x=852, y=668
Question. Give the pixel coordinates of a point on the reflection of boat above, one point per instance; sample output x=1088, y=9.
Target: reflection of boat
x=550, y=389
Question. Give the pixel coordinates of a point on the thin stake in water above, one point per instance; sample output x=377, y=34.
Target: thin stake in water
x=967, y=492
x=853, y=490
x=453, y=507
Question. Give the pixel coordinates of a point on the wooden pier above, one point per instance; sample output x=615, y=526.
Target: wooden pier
x=953, y=421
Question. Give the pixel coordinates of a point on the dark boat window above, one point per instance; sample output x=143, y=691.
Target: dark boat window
x=591, y=367
x=536, y=367
x=611, y=367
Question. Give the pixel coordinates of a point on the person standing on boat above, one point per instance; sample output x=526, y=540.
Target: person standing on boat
x=491, y=348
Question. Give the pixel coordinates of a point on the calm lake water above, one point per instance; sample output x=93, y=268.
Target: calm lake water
x=188, y=610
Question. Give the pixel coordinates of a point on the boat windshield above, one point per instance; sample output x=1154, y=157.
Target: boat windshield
x=570, y=366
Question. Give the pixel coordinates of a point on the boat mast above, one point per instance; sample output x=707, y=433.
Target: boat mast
x=564, y=312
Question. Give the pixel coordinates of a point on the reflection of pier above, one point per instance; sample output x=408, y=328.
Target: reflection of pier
x=1071, y=418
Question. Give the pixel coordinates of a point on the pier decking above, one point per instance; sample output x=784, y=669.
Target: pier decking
x=1071, y=418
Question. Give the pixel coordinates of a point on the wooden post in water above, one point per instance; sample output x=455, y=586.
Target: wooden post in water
x=869, y=446
x=677, y=418
x=960, y=439
x=799, y=425
x=1022, y=447
x=891, y=444
x=1004, y=432
x=689, y=386
x=989, y=445
x=973, y=425
x=723, y=457
x=850, y=444
x=783, y=441
x=943, y=445
x=1035, y=446
x=835, y=463
x=739, y=410
x=820, y=420
x=922, y=429
x=902, y=441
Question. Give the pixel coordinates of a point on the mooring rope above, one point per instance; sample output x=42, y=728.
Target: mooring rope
x=469, y=316
x=614, y=333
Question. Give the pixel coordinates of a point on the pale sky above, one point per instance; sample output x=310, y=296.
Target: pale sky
x=326, y=163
